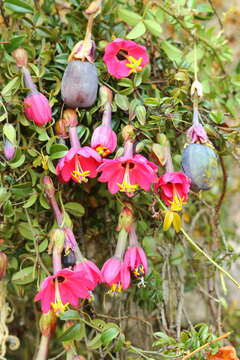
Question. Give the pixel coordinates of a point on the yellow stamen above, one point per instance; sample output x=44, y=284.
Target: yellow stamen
x=134, y=64
x=80, y=176
x=177, y=203
x=58, y=307
x=103, y=151
x=125, y=187
x=115, y=290
x=139, y=271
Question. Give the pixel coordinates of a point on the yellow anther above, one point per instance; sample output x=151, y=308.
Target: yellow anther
x=58, y=307
x=134, y=64
x=116, y=289
x=80, y=176
x=103, y=151
x=125, y=187
x=177, y=203
x=139, y=271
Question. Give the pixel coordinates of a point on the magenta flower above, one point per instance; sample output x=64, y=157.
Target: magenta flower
x=115, y=275
x=91, y=271
x=104, y=140
x=173, y=184
x=37, y=108
x=79, y=164
x=197, y=134
x=63, y=288
x=124, y=57
x=128, y=173
x=135, y=259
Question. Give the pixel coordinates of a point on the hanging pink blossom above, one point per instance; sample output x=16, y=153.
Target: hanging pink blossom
x=115, y=275
x=91, y=271
x=79, y=164
x=63, y=288
x=104, y=140
x=173, y=184
x=124, y=57
x=135, y=259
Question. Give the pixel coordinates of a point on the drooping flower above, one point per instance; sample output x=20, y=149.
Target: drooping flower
x=91, y=271
x=135, y=259
x=173, y=184
x=224, y=353
x=124, y=57
x=128, y=173
x=63, y=288
x=79, y=164
x=116, y=275
x=36, y=106
x=37, y=109
x=104, y=140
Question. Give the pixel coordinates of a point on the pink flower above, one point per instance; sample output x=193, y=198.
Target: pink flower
x=63, y=288
x=78, y=164
x=104, y=140
x=136, y=260
x=115, y=275
x=91, y=270
x=197, y=134
x=37, y=108
x=171, y=184
x=123, y=57
x=128, y=173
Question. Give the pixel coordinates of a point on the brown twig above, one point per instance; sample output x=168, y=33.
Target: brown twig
x=206, y=345
x=215, y=12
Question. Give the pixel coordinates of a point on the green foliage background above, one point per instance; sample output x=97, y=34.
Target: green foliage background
x=143, y=323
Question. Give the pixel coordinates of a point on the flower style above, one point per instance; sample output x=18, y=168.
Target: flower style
x=128, y=173
x=116, y=275
x=224, y=353
x=104, y=140
x=91, y=271
x=124, y=57
x=63, y=288
x=37, y=109
x=79, y=164
x=135, y=259
x=173, y=184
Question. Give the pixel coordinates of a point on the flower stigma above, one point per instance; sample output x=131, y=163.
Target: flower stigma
x=58, y=307
x=80, y=176
x=134, y=64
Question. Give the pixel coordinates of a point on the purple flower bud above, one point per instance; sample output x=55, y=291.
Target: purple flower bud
x=9, y=150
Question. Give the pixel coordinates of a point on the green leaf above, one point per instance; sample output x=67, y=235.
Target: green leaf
x=153, y=26
x=95, y=343
x=31, y=201
x=24, y=276
x=15, y=42
x=10, y=133
x=23, y=228
x=130, y=17
x=17, y=162
x=122, y=101
x=137, y=31
x=172, y=52
x=70, y=315
x=13, y=84
x=18, y=6
x=141, y=114
x=71, y=333
x=108, y=335
x=57, y=151
x=75, y=209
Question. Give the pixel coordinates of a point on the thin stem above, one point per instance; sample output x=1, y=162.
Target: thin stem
x=195, y=61
x=107, y=115
x=191, y=241
x=128, y=149
x=73, y=135
x=56, y=210
x=28, y=81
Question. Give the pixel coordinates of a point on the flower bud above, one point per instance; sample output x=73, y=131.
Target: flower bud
x=94, y=7
x=197, y=86
x=126, y=217
x=60, y=129
x=21, y=57
x=37, y=109
x=57, y=239
x=9, y=150
x=47, y=323
x=128, y=132
x=3, y=264
x=70, y=117
x=48, y=186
